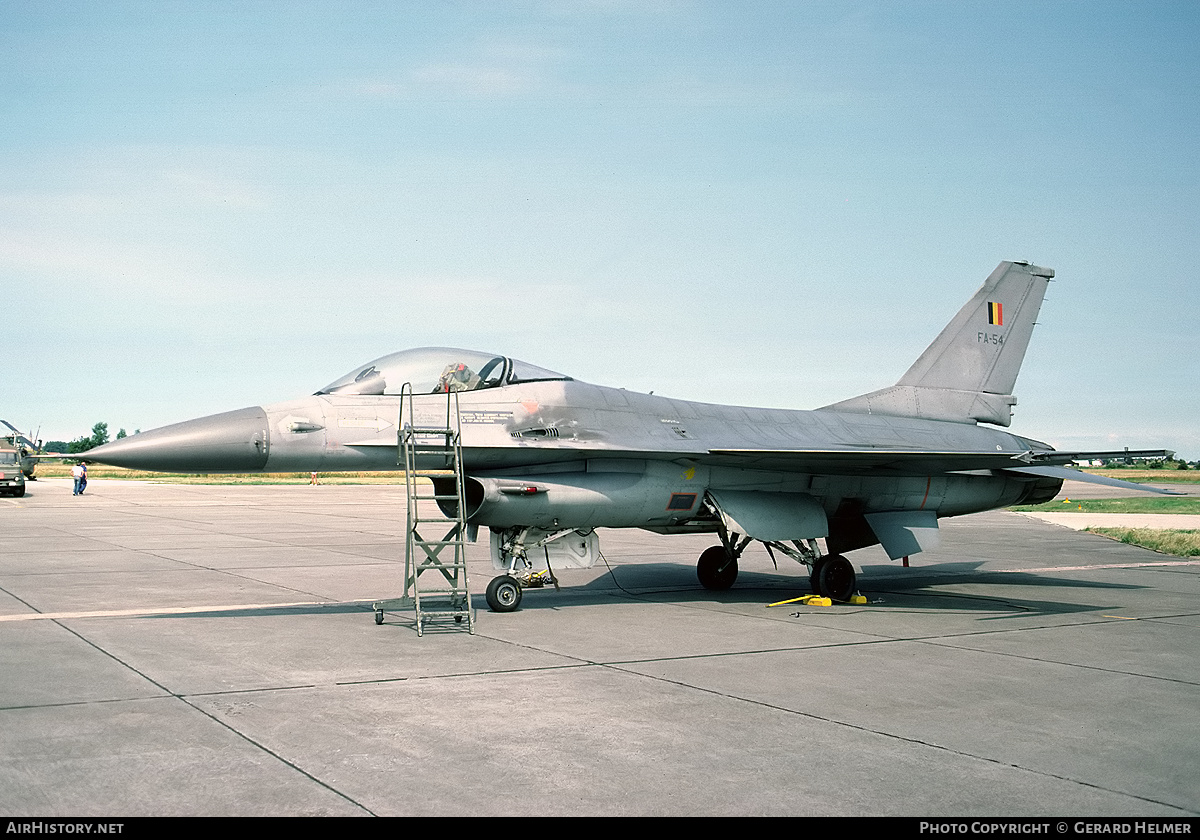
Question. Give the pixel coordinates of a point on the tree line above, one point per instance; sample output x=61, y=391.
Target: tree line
x=83, y=443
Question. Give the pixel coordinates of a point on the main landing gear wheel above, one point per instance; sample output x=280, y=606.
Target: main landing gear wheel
x=504, y=594
x=717, y=568
x=814, y=576
x=835, y=578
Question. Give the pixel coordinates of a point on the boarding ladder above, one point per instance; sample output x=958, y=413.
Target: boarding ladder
x=431, y=454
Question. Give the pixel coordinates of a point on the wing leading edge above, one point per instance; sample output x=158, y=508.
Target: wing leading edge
x=857, y=460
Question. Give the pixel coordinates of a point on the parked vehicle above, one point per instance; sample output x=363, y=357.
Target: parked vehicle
x=12, y=480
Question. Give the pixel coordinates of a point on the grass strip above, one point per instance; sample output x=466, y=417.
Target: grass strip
x=1133, y=504
x=1163, y=476
x=1177, y=543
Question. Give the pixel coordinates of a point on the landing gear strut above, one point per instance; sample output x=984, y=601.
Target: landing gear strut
x=832, y=575
x=504, y=592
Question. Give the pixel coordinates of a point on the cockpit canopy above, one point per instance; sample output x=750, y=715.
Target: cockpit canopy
x=438, y=370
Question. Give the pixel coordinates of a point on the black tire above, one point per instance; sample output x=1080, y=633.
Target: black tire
x=814, y=576
x=20, y=491
x=379, y=616
x=837, y=579
x=716, y=568
x=504, y=594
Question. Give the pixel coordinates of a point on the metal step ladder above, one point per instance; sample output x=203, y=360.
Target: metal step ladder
x=431, y=455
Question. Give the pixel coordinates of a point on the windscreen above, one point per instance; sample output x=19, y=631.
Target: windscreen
x=436, y=370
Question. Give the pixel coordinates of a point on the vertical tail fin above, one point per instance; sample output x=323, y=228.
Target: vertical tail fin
x=968, y=373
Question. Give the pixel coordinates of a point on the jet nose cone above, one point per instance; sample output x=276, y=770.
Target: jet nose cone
x=234, y=441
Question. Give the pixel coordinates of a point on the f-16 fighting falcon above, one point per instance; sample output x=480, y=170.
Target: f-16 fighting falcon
x=546, y=459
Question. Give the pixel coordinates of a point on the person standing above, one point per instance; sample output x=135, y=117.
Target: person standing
x=79, y=473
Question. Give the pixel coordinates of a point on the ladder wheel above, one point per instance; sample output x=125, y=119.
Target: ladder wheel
x=504, y=594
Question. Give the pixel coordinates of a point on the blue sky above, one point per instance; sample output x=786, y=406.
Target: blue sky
x=205, y=206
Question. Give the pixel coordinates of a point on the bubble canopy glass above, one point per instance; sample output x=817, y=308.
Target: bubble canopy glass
x=436, y=370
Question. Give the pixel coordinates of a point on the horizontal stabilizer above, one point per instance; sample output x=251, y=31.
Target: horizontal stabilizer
x=1068, y=474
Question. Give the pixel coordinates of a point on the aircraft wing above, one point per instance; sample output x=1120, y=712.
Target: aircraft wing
x=872, y=459
x=1046, y=464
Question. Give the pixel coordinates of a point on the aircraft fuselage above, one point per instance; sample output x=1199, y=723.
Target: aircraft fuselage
x=607, y=457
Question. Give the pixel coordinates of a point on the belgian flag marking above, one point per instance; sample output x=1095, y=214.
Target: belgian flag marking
x=996, y=313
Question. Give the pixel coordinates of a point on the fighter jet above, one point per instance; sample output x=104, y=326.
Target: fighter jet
x=547, y=459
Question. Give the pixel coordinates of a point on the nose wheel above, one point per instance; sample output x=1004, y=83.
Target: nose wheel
x=504, y=594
